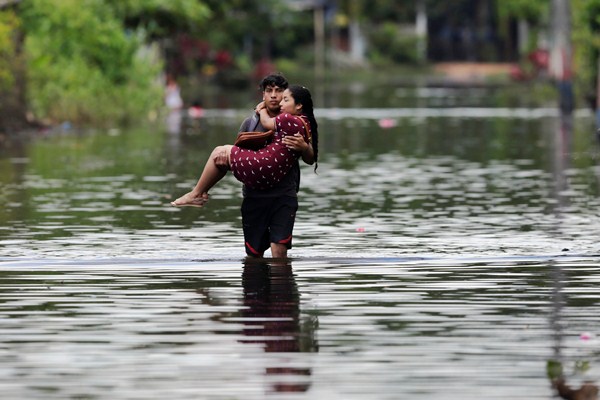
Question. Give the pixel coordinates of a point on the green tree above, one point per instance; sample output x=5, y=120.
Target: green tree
x=94, y=62
x=161, y=18
x=9, y=25
x=257, y=28
x=82, y=66
x=12, y=70
x=586, y=44
x=531, y=10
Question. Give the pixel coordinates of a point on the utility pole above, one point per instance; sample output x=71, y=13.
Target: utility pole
x=561, y=55
x=598, y=95
x=421, y=31
x=319, y=28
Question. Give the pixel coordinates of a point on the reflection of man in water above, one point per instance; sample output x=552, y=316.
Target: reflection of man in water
x=272, y=316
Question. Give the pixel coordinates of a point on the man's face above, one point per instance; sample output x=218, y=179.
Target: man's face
x=272, y=97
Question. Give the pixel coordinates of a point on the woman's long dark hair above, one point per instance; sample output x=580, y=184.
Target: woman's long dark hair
x=302, y=96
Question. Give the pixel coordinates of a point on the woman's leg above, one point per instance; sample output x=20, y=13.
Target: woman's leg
x=213, y=172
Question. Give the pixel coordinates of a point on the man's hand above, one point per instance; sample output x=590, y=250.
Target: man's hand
x=298, y=144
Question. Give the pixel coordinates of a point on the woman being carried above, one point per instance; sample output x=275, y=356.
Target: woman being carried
x=261, y=169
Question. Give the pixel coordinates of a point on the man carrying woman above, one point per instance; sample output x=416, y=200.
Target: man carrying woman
x=271, y=176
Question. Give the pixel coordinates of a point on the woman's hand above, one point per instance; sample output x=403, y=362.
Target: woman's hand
x=265, y=119
x=260, y=106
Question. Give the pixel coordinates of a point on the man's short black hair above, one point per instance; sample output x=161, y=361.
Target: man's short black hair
x=274, y=80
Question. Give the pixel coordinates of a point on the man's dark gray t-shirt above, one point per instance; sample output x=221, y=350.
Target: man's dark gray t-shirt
x=288, y=186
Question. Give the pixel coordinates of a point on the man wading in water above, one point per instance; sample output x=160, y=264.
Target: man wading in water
x=268, y=213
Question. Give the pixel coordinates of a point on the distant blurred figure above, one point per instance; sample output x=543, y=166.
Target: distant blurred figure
x=174, y=104
x=173, y=99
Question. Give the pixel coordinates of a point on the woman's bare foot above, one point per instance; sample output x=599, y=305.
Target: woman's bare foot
x=191, y=200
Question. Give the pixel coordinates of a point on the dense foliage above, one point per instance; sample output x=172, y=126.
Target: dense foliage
x=100, y=61
x=586, y=40
x=84, y=66
x=8, y=26
x=12, y=73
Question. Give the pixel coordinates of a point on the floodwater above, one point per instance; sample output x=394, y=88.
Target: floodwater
x=439, y=253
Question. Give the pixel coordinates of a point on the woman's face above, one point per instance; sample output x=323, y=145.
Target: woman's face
x=288, y=104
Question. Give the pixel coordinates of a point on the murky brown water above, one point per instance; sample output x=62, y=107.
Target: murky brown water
x=448, y=254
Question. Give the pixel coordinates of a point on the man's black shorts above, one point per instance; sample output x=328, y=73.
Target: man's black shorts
x=268, y=220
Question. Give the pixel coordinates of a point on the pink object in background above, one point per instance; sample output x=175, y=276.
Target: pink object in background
x=387, y=123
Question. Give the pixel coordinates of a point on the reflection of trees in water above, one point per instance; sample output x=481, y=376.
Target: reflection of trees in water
x=272, y=318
